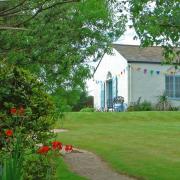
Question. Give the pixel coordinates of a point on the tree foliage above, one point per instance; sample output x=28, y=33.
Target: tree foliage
x=60, y=38
x=85, y=101
x=18, y=13
x=158, y=23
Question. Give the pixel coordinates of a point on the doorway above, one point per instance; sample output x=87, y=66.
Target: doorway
x=109, y=95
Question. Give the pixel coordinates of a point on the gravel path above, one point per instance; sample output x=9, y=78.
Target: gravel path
x=58, y=130
x=91, y=166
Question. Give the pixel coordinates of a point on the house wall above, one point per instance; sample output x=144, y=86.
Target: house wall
x=115, y=64
x=148, y=86
x=96, y=94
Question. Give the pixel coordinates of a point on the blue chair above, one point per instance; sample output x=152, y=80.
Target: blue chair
x=118, y=104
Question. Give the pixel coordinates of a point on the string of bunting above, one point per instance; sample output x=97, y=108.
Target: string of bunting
x=157, y=72
x=145, y=71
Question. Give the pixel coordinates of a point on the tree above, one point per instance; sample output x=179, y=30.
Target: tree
x=157, y=22
x=58, y=42
x=85, y=101
x=24, y=11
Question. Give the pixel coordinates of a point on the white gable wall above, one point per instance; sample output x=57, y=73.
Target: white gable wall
x=148, y=86
x=97, y=91
x=115, y=64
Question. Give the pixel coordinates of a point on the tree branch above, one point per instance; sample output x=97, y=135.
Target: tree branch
x=59, y=3
x=171, y=25
x=40, y=9
x=10, y=9
x=11, y=13
x=12, y=28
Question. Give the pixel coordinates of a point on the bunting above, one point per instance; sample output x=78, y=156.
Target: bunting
x=155, y=72
x=145, y=71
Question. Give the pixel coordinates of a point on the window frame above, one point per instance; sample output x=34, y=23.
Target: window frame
x=174, y=87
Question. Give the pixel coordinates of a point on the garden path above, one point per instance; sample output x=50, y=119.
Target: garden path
x=58, y=130
x=89, y=165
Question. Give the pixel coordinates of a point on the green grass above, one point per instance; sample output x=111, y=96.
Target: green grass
x=63, y=172
x=141, y=144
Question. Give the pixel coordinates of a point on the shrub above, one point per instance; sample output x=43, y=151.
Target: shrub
x=140, y=106
x=25, y=110
x=21, y=91
x=38, y=167
x=163, y=103
x=87, y=109
x=83, y=102
x=146, y=106
x=175, y=108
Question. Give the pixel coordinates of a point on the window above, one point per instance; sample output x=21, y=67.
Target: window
x=173, y=86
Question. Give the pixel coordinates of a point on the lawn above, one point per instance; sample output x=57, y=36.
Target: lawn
x=141, y=144
x=63, y=172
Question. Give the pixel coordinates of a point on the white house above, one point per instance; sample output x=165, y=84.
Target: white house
x=133, y=72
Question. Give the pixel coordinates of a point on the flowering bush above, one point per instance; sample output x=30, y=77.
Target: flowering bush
x=9, y=132
x=25, y=114
x=43, y=150
x=37, y=166
x=68, y=148
x=56, y=145
x=24, y=103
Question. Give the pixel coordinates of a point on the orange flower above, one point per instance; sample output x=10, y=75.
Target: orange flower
x=9, y=132
x=43, y=150
x=56, y=145
x=13, y=111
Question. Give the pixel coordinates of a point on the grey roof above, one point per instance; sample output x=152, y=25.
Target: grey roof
x=133, y=53
x=136, y=54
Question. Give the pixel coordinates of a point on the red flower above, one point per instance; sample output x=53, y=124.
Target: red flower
x=56, y=145
x=43, y=150
x=13, y=111
x=9, y=132
x=68, y=148
x=21, y=110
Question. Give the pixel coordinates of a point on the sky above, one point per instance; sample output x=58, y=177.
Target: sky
x=127, y=37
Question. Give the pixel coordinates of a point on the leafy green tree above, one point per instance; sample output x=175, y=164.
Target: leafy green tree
x=56, y=39
x=65, y=100
x=61, y=38
x=158, y=23
x=84, y=101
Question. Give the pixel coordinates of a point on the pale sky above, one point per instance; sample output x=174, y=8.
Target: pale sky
x=127, y=38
